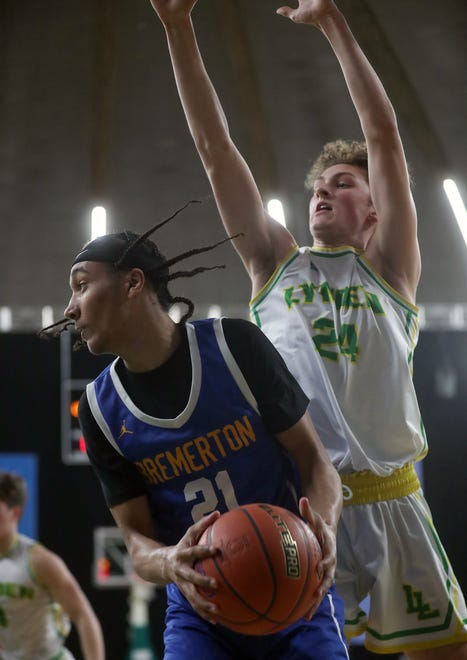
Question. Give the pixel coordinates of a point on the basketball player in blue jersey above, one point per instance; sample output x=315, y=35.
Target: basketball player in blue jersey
x=189, y=421
x=343, y=316
x=38, y=594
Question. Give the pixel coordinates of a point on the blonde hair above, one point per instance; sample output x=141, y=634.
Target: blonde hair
x=342, y=152
x=336, y=153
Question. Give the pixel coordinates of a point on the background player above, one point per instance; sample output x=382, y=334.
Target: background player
x=192, y=419
x=38, y=594
x=343, y=316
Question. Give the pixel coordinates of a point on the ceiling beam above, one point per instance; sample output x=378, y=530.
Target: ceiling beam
x=103, y=98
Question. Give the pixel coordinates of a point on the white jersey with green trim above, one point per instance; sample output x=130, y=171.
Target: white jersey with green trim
x=31, y=624
x=348, y=338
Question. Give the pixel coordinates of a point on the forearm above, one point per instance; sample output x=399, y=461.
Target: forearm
x=323, y=488
x=160, y=564
x=149, y=558
x=90, y=635
x=204, y=114
x=235, y=190
x=393, y=250
x=319, y=479
x=369, y=97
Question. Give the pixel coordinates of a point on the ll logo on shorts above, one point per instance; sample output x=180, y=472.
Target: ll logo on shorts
x=415, y=604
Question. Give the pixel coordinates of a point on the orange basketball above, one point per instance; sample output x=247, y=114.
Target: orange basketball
x=266, y=568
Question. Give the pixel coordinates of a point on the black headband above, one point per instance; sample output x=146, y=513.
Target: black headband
x=110, y=249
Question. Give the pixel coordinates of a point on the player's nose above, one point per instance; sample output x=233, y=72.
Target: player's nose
x=322, y=191
x=71, y=310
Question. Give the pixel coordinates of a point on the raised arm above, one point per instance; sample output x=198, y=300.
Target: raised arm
x=264, y=242
x=52, y=573
x=393, y=250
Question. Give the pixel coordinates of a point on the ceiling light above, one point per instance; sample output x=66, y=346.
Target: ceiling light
x=276, y=211
x=457, y=204
x=214, y=312
x=6, y=319
x=47, y=315
x=175, y=313
x=98, y=222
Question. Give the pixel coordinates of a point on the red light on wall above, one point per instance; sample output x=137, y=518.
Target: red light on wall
x=103, y=568
x=82, y=445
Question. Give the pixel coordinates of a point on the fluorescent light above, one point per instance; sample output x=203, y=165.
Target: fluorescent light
x=214, y=312
x=47, y=316
x=276, y=211
x=175, y=313
x=457, y=205
x=6, y=319
x=98, y=222
x=446, y=382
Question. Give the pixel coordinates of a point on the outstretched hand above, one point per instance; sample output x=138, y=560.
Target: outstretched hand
x=327, y=541
x=180, y=560
x=310, y=12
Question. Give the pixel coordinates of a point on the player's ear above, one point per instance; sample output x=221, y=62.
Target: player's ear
x=134, y=281
x=371, y=219
x=17, y=512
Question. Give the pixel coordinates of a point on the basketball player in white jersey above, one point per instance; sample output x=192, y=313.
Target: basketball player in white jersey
x=38, y=594
x=343, y=315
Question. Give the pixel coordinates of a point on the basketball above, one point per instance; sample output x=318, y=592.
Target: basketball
x=266, y=568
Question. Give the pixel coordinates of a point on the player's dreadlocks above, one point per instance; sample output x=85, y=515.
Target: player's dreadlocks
x=127, y=250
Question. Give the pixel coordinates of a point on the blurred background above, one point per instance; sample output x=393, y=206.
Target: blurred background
x=89, y=116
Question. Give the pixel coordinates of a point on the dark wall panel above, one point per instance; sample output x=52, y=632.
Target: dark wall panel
x=440, y=377
x=71, y=503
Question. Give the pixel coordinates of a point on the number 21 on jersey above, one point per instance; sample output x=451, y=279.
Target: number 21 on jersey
x=210, y=492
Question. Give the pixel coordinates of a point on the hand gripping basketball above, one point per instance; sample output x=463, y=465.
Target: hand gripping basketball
x=266, y=568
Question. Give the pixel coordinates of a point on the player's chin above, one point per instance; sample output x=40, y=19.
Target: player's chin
x=96, y=346
x=93, y=348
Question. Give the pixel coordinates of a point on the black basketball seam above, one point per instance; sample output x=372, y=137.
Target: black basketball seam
x=308, y=571
x=260, y=615
x=300, y=596
x=264, y=616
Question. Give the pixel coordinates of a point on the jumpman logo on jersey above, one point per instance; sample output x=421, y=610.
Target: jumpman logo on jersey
x=124, y=429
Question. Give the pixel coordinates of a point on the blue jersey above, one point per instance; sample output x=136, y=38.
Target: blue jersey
x=213, y=455
x=216, y=454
